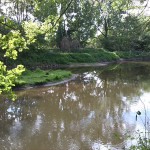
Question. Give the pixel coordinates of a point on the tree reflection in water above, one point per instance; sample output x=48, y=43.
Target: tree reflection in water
x=91, y=112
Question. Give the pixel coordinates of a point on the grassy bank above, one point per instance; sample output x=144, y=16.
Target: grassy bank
x=132, y=54
x=46, y=57
x=39, y=77
x=43, y=58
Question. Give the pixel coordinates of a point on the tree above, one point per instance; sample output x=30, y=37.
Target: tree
x=43, y=9
x=16, y=35
x=12, y=43
x=118, y=26
x=78, y=21
x=18, y=10
x=84, y=21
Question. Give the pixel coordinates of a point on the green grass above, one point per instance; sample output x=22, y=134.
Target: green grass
x=132, y=54
x=39, y=77
x=30, y=59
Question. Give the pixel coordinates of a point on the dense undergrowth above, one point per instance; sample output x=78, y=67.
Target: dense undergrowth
x=36, y=59
x=55, y=57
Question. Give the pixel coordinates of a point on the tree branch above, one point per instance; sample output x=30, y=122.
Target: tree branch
x=61, y=15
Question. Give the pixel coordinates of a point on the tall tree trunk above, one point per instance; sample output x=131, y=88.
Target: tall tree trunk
x=106, y=27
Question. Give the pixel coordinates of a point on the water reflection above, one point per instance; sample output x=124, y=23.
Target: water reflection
x=96, y=111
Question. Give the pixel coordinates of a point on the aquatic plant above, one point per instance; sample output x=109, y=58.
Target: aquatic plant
x=143, y=138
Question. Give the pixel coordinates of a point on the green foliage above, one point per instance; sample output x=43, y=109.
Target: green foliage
x=82, y=22
x=44, y=8
x=16, y=37
x=31, y=31
x=7, y=79
x=41, y=77
x=119, y=30
x=142, y=44
x=60, y=34
x=132, y=54
x=121, y=37
x=46, y=58
x=12, y=43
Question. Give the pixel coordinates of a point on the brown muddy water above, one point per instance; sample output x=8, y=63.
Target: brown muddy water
x=96, y=111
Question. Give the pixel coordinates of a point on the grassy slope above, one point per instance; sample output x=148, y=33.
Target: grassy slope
x=39, y=77
x=47, y=57
x=132, y=54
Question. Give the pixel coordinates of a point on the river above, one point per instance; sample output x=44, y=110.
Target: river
x=96, y=111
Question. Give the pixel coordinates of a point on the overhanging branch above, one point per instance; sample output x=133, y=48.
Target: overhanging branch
x=60, y=16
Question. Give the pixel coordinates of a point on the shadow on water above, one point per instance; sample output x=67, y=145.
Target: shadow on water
x=95, y=111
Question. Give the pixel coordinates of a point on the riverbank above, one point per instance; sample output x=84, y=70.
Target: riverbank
x=54, y=59
x=39, y=64
x=41, y=77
